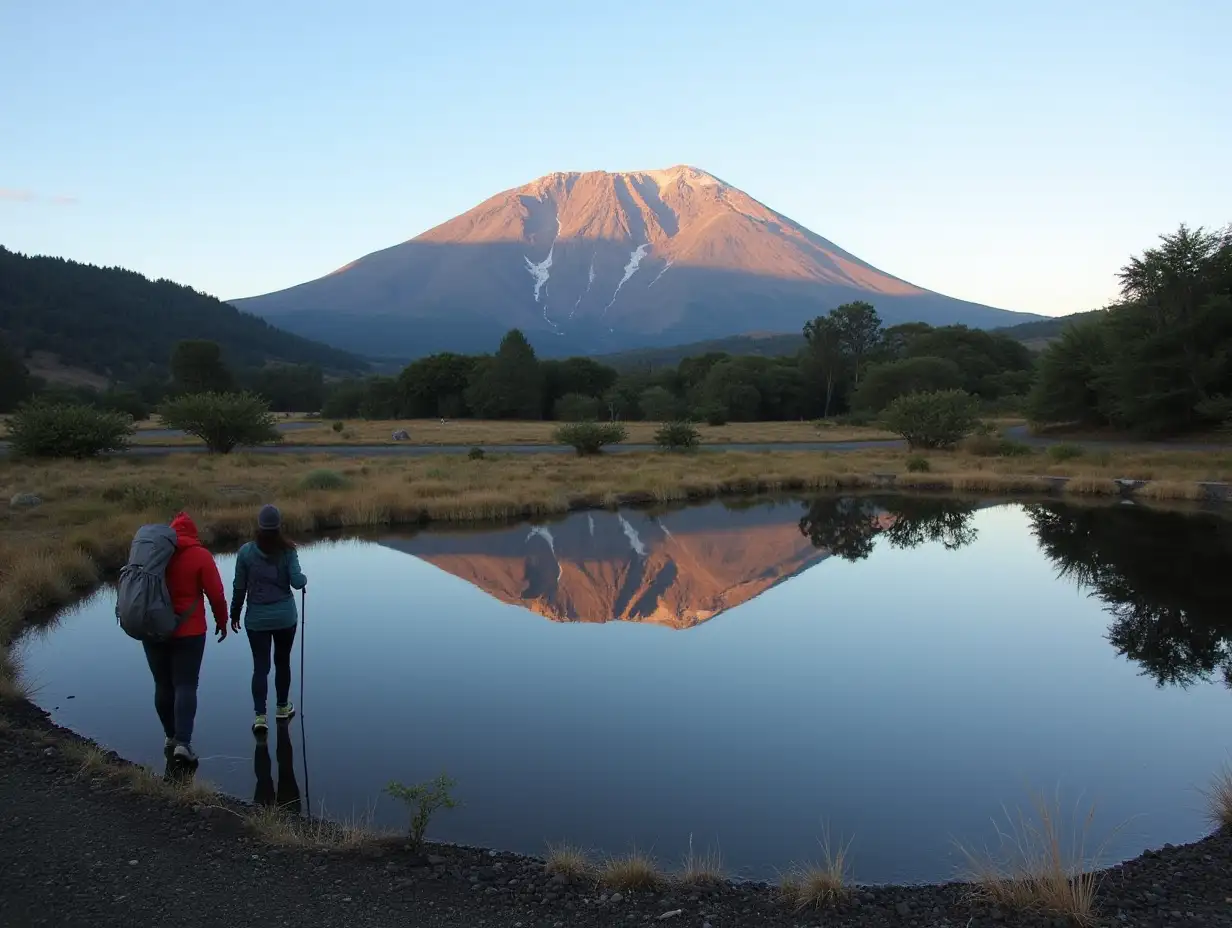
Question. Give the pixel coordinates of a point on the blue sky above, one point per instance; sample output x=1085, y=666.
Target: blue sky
x=1009, y=153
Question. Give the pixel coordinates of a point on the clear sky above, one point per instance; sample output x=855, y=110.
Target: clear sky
x=1012, y=153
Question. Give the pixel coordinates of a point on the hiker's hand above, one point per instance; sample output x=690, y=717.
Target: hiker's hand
x=221, y=630
x=235, y=625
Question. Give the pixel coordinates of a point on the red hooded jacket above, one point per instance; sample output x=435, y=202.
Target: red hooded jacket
x=192, y=576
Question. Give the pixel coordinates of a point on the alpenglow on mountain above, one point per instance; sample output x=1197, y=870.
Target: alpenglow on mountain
x=594, y=262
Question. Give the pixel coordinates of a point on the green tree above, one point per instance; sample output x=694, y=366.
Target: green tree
x=885, y=382
x=657, y=404
x=574, y=407
x=15, y=385
x=1066, y=387
x=823, y=359
x=859, y=333
x=932, y=420
x=290, y=387
x=510, y=384
x=224, y=421
x=435, y=386
x=580, y=376
x=197, y=367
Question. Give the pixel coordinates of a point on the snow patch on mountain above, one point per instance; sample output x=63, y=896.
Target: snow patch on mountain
x=635, y=258
x=658, y=275
x=635, y=540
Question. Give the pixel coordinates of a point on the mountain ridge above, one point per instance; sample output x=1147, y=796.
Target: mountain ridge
x=587, y=262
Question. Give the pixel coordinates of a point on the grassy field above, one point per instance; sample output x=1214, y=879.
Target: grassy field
x=52, y=551
x=482, y=432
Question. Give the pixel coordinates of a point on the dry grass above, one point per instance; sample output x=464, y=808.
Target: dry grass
x=1036, y=868
x=703, y=868
x=89, y=756
x=1219, y=798
x=567, y=860
x=282, y=828
x=481, y=432
x=818, y=883
x=630, y=871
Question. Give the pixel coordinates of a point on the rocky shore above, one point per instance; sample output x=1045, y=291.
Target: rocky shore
x=76, y=849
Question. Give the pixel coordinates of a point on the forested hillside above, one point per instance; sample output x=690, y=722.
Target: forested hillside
x=124, y=326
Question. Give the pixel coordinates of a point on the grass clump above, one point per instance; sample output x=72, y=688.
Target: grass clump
x=633, y=870
x=423, y=800
x=815, y=884
x=995, y=446
x=918, y=464
x=1036, y=868
x=567, y=860
x=323, y=479
x=700, y=869
x=281, y=828
x=1219, y=798
x=476, y=454
x=1061, y=453
x=338, y=426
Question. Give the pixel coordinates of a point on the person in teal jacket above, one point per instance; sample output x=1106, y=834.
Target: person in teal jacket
x=266, y=571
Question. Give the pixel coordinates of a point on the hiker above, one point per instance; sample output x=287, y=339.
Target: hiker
x=266, y=571
x=192, y=577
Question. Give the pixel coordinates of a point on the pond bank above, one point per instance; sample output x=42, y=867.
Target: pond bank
x=77, y=849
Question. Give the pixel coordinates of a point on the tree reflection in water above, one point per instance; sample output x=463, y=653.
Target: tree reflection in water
x=848, y=526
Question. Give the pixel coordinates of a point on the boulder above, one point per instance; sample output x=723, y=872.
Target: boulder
x=401, y=435
x=25, y=500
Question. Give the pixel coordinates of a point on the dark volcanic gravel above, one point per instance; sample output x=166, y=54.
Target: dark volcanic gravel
x=77, y=851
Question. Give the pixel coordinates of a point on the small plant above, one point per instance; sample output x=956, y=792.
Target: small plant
x=918, y=464
x=47, y=430
x=567, y=860
x=713, y=415
x=422, y=801
x=634, y=870
x=1059, y=454
x=338, y=426
x=323, y=479
x=475, y=454
x=988, y=445
x=590, y=437
x=1219, y=798
x=700, y=869
x=932, y=420
x=224, y=421
x=677, y=436
x=824, y=882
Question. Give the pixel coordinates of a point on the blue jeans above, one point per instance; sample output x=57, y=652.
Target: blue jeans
x=176, y=667
x=281, y=640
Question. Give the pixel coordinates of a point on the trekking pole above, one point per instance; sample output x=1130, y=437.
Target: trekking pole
x=303, y=731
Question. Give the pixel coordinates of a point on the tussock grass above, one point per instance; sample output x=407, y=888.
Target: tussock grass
x=703, y=868
x=282, y=828
x=14, y=687
x=567, y=860
x=1219, y=798
x=815, y=884
x=1036, y=867
x=631, y=871
x=91, y=758
x=144, y=781
x=1172, y=489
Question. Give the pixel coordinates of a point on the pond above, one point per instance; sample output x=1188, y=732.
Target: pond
x=898, y=670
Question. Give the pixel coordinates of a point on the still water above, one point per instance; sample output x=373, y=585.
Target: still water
x=896, y=669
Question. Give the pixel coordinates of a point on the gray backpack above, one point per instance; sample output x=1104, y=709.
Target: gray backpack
x=143, y=602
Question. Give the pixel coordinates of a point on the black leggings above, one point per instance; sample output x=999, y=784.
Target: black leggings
x=281, y=640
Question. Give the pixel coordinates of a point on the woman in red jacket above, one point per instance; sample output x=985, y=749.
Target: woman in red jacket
x=192, y=576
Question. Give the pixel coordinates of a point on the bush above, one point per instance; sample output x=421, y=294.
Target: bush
x=884, y=383
x=677, y=436
x=323, y=480
x=338, y=426
x=575, y=407
x=988, y=445
x=47, y=430
x=475, y=454
x=590, y=437
x=932, y=420
x=711, y=415
x=223, y=421
x=918, y=464
x=1064, y=452
x=422, y=800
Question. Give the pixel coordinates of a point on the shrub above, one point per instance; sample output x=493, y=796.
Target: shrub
x=884, y=383
x=222, y=420
x=1065, y=452
x=475, y=454
x=931, y=420
x=994, y=446
x=590, y=437
x=46, y=430
x=323, y=479
x=712, y=415
x=918, y=464
x=677, y=436
x=338, y=426
x=422, y=801
x=575, y=407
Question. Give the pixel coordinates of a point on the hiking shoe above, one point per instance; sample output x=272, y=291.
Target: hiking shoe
x=259, y=725
x=285, y=713
x=184, y=752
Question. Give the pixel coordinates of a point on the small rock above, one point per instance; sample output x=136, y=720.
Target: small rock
x=903, y=909
x=132, y=863
x=617, y=897
x=672, y=914
x=435, y=860
x=25, y=500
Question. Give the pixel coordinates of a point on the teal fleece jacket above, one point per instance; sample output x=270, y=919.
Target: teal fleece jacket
x=267, y=617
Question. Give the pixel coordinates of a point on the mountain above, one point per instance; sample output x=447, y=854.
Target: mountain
x=1036, y=335
x=677, y=569
x=118, y=324
x=586, y=263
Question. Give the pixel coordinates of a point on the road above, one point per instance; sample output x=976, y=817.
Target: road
x=1017, y=433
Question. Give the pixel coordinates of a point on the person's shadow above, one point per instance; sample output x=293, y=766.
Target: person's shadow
x=286, y=794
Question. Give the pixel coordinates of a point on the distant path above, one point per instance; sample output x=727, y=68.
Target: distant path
x=407, y=449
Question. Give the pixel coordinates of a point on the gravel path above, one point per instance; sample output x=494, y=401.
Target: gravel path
x=75, y=850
